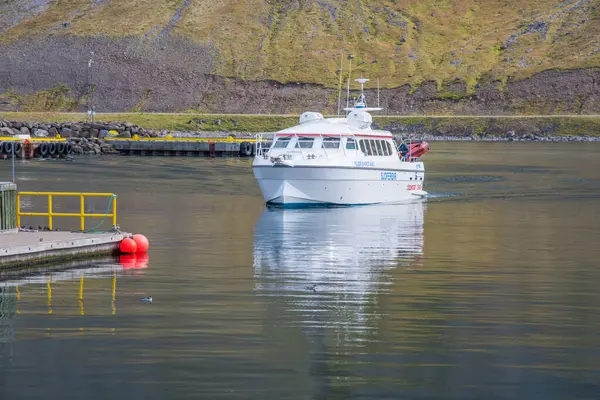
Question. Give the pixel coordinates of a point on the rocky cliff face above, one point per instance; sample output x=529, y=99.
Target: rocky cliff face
x=250, y=56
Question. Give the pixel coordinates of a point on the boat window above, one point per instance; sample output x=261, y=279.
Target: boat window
x=350, y=144
x=373, y=147
x=305, y=143
x=387, y=149
x=379, y=148
x=363, y=147
x=281, y=143
x=367, y=149
x=331, y=143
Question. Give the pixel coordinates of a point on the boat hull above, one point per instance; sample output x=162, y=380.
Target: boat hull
x=310, y=186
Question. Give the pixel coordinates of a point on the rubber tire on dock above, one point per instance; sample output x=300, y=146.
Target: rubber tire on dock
x=43, y=149
x=246, y=149
x=7, y=148
x=69, y=148
x=62, y=148
x=52, y=148
x=18, y=147
x=1, y=148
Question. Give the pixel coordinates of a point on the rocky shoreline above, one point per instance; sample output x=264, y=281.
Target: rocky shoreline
x=90, y=138
x=87, y=138
x=508, y=138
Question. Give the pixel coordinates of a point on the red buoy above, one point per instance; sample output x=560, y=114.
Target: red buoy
x=128, y=246
x=142, y=243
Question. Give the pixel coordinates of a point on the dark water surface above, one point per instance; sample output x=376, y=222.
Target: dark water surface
x=488, y=290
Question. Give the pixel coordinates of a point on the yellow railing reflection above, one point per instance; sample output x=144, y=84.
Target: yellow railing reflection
x=114, y=293
x=49, y=302
x=80, y=297
x=80, y=292
x=75, y=280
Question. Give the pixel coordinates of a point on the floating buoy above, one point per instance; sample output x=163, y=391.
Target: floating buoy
x=128, y=261
x=128, y=246
x=142, y=243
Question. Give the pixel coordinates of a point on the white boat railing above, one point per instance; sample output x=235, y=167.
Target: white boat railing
x=259, y=145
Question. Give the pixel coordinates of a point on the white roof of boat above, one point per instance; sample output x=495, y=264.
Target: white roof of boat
x=329, y=126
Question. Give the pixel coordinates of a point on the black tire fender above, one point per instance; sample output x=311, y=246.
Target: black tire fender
x=52, y=148
x=43, y=149
x=246, y=149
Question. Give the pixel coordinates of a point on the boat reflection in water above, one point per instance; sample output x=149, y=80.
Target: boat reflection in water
x=329, y=264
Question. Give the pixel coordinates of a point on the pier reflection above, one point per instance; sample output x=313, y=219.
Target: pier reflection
x=24, y=294
x=323, y=268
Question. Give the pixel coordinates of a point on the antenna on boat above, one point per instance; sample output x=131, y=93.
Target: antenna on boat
x=377, y=91
x=350, y=57
x=340, y=87
x=361, y=102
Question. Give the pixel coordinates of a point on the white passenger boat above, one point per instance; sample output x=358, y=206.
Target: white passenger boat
x=338, y=161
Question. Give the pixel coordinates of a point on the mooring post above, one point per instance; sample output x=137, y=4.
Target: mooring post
x=8, y=207
x=12, y=147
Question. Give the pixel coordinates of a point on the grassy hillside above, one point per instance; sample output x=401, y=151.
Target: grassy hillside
x=398, y=41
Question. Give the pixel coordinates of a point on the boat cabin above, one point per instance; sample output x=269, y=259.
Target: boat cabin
x=355, y=145
x=351, y=136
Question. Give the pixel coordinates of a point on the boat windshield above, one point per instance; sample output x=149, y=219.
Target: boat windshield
x=305, y=142
x=350, y=144
x=331, y=143
x=282, y=143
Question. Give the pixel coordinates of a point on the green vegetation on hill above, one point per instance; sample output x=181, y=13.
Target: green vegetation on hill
x=397, y=41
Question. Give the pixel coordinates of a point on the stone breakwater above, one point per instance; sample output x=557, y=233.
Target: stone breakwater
x=86, y=137
x=93, y=130
x=75, y=129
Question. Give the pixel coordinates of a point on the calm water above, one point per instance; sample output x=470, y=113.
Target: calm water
x=488, y=290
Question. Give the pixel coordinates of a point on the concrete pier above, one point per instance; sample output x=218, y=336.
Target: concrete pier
x=167, y=146
x=23, y=249
x=184, y=148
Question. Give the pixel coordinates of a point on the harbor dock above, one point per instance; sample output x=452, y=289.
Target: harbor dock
x=23, y=249
x=185, y=147
x=27, y=148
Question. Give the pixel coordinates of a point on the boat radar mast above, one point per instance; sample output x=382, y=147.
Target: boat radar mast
x=361, y=102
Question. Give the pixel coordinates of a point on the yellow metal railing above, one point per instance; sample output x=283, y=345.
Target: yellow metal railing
x=32, y=140
x=179, y=139
x=81, y=214
x=136, y=138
